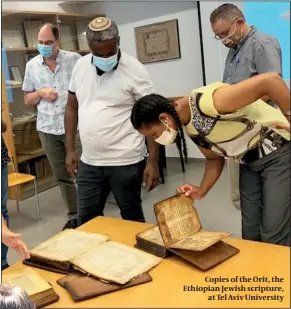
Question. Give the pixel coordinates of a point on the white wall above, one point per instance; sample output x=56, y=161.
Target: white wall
x=171, y=78
x=42, y=6
x=45, y=6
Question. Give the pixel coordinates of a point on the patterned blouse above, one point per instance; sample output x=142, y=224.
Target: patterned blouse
x=4, y=153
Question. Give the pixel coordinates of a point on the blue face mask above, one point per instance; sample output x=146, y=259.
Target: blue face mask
x=45, y=50
x=105, y=64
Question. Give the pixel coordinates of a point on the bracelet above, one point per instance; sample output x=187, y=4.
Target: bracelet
x=287, y=113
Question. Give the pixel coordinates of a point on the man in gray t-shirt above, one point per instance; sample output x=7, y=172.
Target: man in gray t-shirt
x=251, y=53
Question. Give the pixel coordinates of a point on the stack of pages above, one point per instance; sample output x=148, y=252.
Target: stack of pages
x=39, y=291
x=93, y=254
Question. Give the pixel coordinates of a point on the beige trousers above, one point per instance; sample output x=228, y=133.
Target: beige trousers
x=233, y=173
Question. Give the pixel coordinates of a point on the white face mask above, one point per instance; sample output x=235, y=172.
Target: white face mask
x=232, y=40
x=167, y=137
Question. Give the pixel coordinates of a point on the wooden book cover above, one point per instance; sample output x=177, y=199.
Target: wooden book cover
x=208, y=258
x=39, y=291
x=82, y=287
x=180, y=226
x=151, y=241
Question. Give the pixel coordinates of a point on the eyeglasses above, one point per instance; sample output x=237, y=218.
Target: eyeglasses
x=225, y=33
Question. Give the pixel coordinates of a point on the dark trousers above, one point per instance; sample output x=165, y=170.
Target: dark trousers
x=265, y=198
x=4, y=210
x=94, y=183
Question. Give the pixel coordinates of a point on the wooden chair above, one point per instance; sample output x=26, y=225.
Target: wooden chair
x=15, y=179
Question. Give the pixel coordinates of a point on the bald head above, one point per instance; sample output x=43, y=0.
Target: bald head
x=49, y=30
x=48, y=38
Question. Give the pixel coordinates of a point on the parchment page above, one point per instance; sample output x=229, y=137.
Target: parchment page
x=28, y=280
x=200, y=241
x=116, y=262
x=177, y=219
x=153, y=235
x=68, y=244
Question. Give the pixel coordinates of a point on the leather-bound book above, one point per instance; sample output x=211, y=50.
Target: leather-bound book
x=151, y=241
x=93, y=254
x=39, y=291
x=179, y=232
x=82, y=287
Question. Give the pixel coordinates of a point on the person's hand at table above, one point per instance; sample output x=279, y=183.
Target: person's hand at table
x=13, y=241
x=196, y=193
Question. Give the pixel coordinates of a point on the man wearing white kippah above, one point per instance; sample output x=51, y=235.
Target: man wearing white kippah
x=103, y=88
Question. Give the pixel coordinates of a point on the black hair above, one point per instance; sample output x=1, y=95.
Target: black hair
x=147, y=110
x=227, y=11
x=55, y=29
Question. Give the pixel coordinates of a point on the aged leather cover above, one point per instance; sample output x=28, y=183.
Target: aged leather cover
x=82, y=287
x=71, y=277
x=153, y=249
x=151, y=241
x=208, y=258
x=60, y=268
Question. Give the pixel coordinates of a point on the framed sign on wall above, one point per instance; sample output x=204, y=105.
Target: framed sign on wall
x=157, y=42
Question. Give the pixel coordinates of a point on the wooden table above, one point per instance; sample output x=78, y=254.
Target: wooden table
x=255, y=260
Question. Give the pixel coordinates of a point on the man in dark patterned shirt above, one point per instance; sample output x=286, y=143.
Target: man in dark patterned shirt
x=4, y=190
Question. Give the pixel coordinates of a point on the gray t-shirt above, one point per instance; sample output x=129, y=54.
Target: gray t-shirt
x=257, y=53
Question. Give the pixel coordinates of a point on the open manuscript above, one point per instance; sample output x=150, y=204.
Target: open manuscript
x=179, y=232
x=93, y=254
x=39, y=291
x=180, y=226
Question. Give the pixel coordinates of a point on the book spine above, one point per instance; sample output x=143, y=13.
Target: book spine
x=152, y=248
